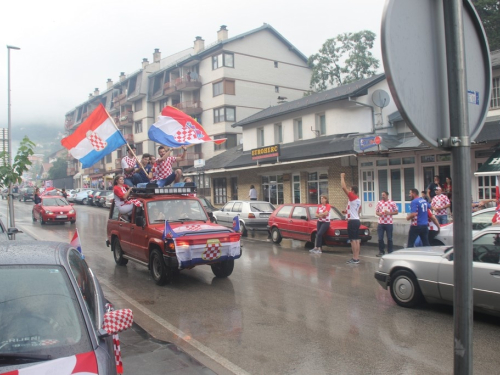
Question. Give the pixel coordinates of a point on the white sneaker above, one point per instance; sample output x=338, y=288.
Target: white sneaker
x=313, y=250
x=316, y=251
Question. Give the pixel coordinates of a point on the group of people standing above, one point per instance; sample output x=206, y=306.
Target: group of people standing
x=139, y=173
x=353, y=221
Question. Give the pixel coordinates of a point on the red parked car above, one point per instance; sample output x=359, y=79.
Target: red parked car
x=298, y=222
x=54, y=209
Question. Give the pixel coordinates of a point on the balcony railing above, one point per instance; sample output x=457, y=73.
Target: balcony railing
x=189, y=159
x=120, y=99
x=169, y=88
x=127, y=119
x=190, y=108
x=188, y=83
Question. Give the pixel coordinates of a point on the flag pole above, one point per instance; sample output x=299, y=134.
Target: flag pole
x=128, y=146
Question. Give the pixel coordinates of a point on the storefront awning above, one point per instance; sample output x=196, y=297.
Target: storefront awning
x=77, y=176
x=491, y=167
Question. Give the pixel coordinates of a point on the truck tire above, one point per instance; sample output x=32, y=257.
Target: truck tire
x=116, y=248
x=160, y=273
x=224, y=268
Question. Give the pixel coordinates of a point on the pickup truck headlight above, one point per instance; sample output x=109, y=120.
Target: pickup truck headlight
x=337, y=232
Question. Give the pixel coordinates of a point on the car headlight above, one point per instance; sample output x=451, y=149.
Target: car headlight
x=48, y=212
x=367, y=232
x=380, y=263
x=71, y=212
x=337, y=232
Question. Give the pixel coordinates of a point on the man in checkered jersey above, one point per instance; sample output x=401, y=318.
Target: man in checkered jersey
x=352, y=215
x=439, y=204
x=128, y=164
x=162, y=170
x=385, y=210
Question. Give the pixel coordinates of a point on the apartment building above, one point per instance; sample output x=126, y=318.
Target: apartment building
x=218, y=84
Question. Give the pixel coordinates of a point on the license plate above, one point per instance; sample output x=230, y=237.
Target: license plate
x=265, y=215
x=61, y=216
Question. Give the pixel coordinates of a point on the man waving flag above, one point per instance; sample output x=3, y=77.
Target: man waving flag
x=95, y=138
x=175, y=129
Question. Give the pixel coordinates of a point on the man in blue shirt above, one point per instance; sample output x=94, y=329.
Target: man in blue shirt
x=419, y=219
x=139, y=176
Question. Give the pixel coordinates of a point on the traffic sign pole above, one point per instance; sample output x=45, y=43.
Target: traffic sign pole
x=461, y=172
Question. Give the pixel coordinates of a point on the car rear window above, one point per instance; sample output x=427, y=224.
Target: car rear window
x=261, y=207
x=40, y=313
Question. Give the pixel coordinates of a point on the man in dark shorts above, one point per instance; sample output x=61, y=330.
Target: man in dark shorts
x=352, y=216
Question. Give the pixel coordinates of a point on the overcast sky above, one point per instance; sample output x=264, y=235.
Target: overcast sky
x=68, y=48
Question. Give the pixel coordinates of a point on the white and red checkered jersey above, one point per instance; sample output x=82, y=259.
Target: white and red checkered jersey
x=321, y=209
x=496, y=218
x=383, y=206
x=128, y=163
x=439, y=201
x=353, y=207
x=164, y=167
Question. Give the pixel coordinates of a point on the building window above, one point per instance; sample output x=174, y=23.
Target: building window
x=138, y=105
x=139, y=148
x=224, y=87
x=132, y=85
x=223, y=59
x=276, y=89
x=109, y=158
x=321, y=124
x=119, y=153
x=495, y=93
x=138, y=127
x=296, y=188
x=297, y=129
x=275, y=64
x=220, y=190
x=278, y=133
x=486, y=186
x=272, y=189
x=225, y=114
x=317, y=185
x=230, y=141
x=260, y=137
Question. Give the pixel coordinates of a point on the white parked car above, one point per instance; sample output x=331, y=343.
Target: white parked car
x=480, y=220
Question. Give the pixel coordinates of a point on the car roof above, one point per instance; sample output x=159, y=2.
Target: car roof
x=32, y=252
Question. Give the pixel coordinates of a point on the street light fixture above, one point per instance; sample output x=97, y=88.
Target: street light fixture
x=11, y=199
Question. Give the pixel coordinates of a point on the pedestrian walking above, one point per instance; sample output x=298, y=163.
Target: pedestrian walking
x=434, y=229
x=431, y=189
x=322, y=225
x=164, y=173
x=252, y=194
x=439, y=204
x=419, y=220
x=352, y=216
x=385, y=210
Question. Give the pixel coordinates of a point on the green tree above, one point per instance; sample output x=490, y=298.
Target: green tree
x=489, y=12
x=11, y=174
x=343, y=59
x=59, y=169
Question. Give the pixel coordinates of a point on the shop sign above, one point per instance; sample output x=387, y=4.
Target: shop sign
x=368, y=142
x=266, y=152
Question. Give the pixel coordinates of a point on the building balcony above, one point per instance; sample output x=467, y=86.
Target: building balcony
x=188, y=83
x=127, y=119
x=190, y=108
x=169, y=88
x=120, y=100
x=190, y=158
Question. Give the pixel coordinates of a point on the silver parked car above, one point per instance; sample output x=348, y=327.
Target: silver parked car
x=480, y=220
x=253, y=214
x=82, y=197
x=426, y=273
x=54, y=308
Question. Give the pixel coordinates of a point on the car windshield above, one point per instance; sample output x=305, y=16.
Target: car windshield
x=482, y=220
x=261, y=207
x=40, y=313
x=334, y=214
x=176, y=210
x=55, y=202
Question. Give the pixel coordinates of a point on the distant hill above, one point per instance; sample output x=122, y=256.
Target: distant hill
x=47, y=138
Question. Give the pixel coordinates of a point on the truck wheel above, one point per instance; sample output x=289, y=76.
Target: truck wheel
x=118, y=253
x=224, y=268
x=276, y=235
x=160, y=273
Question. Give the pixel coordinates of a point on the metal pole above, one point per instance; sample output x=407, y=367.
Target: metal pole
x=461, y=172
x=9, y=127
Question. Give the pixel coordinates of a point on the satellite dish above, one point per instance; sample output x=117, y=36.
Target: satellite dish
x=381, y=98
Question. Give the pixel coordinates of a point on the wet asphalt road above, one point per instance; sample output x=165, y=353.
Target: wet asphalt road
x=282, y=311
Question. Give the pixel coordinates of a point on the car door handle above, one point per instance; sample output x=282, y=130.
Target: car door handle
x=495, y=273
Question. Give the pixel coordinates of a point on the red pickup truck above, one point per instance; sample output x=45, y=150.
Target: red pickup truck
x=191, y=239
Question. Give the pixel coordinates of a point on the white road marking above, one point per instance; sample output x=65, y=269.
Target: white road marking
x=183, y=336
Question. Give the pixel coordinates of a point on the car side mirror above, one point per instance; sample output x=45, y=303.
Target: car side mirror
x=303, y=218
x=140, y=222
x=115, y=322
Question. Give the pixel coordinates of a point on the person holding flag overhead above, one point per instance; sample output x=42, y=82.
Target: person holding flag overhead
x=164, y=173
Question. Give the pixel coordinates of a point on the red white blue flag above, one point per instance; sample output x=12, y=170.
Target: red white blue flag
x=175, y=129
x=79, y=364
x=168, y=232
x=236, y=224
x=95, y=138
x=75, y=242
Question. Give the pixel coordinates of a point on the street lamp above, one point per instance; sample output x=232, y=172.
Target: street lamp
x=11, y=199
x=8, y=101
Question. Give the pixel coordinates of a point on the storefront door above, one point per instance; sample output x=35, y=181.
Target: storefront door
x=368, y=198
